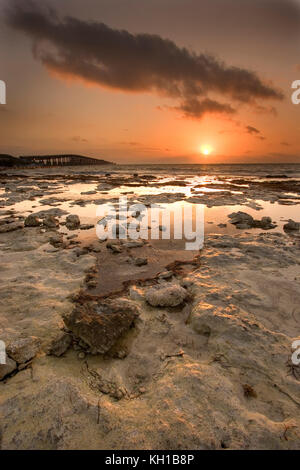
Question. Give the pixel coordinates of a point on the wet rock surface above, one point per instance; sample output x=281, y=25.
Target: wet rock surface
x=220, y=357
x=228, y=353
x=242, y=220
x=291, y=225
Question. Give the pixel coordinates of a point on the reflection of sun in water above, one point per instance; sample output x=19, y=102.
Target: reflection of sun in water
x=206, y=149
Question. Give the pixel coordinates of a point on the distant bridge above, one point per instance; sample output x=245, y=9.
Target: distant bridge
x=50, y=160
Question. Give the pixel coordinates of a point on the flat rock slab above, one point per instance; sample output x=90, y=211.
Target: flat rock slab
x=8, y=368
x=11, y=227
x=101, y=325
x=60, y=344
x=23, y=349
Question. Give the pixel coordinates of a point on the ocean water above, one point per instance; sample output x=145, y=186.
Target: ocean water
x=291, y=170
x=208, y=176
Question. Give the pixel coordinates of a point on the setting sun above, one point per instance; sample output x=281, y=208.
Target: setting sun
x=206, y=149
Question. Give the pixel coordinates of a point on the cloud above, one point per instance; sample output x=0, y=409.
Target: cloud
x=252, y=130
x=256, y=132
x=196, y=109
x=77, y=138
x=118, y=59
x=131, y=143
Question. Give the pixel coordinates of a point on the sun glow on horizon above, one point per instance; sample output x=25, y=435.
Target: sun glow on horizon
x=206, y=149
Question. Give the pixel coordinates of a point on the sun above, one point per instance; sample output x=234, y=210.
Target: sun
x=206, y=149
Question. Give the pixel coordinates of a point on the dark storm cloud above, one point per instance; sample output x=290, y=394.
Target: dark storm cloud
x=96, y=53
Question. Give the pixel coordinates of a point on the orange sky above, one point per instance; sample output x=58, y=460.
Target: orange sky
x=49, y=112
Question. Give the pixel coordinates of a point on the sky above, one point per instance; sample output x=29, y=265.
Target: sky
x=160, y=81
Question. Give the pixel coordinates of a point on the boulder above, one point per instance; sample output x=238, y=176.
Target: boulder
x=72, y=222
x=23, y=349
x=114, y=247
x=241, y=219
x=291, y=225
x=56, y=240
x=32, y=221
x=60, y=344
x=266, y=222
x=50, y=221
x=140, y=261
x=166, y=296
x=8, y=368
x=101, y=325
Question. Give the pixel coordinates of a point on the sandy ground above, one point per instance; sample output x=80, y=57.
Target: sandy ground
x=213, y=372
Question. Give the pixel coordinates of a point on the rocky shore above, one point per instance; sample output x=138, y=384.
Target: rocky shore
x=128, y=344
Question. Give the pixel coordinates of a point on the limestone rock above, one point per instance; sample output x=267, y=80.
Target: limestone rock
x=115, y=248
x=241, y=218
x=165, y=275
x=135, y=293
x=5, y=228
x=60, y=344
x=72, y=222
x=101, y=325
x=133, y=244
x=265, y=223
x=50, y=221
x=23, y=349
x=291, y=225
x=56, y=240
x=166, y=296
x=140, y=261
x=8, y=368
x=32, y=221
